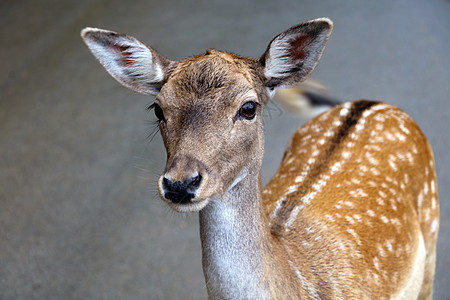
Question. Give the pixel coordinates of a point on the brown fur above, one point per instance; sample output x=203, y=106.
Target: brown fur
x=331, y=212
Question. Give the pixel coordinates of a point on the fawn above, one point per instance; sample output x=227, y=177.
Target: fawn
x=352, y=212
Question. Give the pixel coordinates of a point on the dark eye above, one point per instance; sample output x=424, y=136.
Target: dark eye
x=159, y=113
x=248, y=110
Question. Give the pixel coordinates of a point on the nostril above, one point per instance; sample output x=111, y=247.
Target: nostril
x=166, y=183
x=194, y=182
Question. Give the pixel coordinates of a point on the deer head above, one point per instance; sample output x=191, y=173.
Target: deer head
x=210, y=106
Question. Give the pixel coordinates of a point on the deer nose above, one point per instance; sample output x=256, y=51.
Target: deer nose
x=181, y=192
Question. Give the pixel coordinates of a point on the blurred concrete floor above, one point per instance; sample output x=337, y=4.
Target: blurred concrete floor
x=79, y=212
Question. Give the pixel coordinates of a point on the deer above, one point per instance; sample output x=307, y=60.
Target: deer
x=351, y=213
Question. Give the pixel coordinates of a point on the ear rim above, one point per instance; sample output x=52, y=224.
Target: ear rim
x=96, y=38
x=322, y=27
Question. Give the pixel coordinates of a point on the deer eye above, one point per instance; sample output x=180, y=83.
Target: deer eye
x=248, y=110
x=159, y=113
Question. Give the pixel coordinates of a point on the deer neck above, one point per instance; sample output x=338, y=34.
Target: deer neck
x=236, y=246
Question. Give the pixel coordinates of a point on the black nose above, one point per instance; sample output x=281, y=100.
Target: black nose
x=181, y=192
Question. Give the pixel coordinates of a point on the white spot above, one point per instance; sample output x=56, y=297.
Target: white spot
x=372, y=183
x=346, y=154
x=329, y=133
x=380, y=118
x=434, y=226
x=370, y=213
x=433, y=202
x=330, y=218
x=400, y=137
x=311, y=160
x=388, y=245
x=393, y=205
x=348, y=203
x=381, y=250
x=389, y=136
x=371, y=159
x=358, y=193
x=336, y=167
x=384, y=219
x=409, y=157
x=355, y=181
x=375, y=171
x=291, y=160
x=318, y=185
x=400, y=155
x=337, y=123
x=307, y=198
x=298, y=179
x=344, y=111
x=396, y=222
x=376, y=263
x=402, y=186
x=302, y=151
x=404, y=129
x=406, y=178
x=393, y=165
x=355, y=236
x=375, y=148
x=350, y=219
x=367, y=113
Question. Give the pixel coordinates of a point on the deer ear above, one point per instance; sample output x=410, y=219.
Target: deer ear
x=131, y=62
x=292, y=55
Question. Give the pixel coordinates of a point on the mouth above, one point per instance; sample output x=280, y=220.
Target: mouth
x=187, y=206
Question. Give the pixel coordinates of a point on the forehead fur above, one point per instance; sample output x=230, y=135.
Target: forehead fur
x=213, y=74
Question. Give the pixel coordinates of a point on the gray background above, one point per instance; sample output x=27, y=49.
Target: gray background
x=79, y=212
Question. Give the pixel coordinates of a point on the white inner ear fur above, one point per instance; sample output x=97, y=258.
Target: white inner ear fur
x=138, y=57
x=279, y=62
